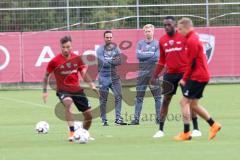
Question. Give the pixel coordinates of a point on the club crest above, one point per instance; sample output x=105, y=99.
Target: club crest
x=208, y=44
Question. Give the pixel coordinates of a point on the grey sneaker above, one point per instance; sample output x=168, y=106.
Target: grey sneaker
x=120, y=122
x=157, y=121
x=105, y=123
x=135, y=122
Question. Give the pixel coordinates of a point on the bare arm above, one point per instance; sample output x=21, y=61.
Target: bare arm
x=45, y=84
x=87, y=78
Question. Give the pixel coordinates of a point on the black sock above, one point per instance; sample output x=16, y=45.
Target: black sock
x=71, y=128
x=195, y=123
x=161, y=125
x=186, y=128
x=210, y=121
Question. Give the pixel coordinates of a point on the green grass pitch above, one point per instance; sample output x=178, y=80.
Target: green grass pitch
x=21, y=110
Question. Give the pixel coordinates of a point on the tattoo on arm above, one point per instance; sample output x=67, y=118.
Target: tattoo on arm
x=45, y=82
x=86, y=77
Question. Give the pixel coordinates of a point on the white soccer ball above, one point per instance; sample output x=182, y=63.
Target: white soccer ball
x=81, y=136
x=42, y=127
x=78, y=125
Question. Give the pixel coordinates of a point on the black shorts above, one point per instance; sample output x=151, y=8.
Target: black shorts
x=170, y=83
x=80, y=100
x=194, y=89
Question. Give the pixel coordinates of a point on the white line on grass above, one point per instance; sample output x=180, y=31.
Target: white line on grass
x=25, y=102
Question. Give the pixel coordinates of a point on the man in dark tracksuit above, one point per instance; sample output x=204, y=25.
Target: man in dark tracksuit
x=109, y=57
x=147, y=54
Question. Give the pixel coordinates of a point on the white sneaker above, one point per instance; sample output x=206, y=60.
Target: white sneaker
x=158, y=134
x=196, y=133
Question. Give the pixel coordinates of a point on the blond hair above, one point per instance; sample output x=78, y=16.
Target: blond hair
x=186, y=22
x=148, y=26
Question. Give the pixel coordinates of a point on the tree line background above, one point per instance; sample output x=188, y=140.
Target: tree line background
x=15, y=19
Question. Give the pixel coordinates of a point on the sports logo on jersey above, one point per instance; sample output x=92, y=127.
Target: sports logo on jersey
x=208, y=44
x=109, y=53
x=147, y=47
x=178, y=42
x=186, y=93
x=62, y=97
x=68, y=64
x=171, y=42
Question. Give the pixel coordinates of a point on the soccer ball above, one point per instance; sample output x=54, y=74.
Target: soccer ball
x=78, y=125
x=81, y=136
x=42, y=127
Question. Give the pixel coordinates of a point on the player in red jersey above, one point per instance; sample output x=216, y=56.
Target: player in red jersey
x=66, y=67
x=194, y=81
x=174, y=58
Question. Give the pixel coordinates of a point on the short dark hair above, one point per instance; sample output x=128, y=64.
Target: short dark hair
x=65, y=39
x=170, y=17
x=106, y=32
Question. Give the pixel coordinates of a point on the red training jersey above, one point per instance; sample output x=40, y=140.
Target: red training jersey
x=195, y=52
x=172, y=53
x=66, y=72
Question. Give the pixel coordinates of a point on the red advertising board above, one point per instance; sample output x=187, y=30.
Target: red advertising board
x=10, y=57
x=226, y=56
x=222, y=46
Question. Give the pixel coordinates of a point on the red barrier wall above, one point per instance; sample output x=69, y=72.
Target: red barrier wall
x=30, y=51
x=10, y=57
